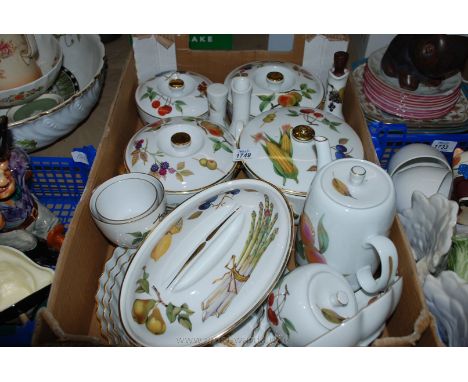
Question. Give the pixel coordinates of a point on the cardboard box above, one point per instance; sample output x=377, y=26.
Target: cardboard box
x=71, y=313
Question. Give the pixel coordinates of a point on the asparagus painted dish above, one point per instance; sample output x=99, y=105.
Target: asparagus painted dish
x=208, y=266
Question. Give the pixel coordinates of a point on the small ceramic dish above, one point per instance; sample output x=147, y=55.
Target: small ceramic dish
x=127, y=207
x=278, y=84
x=186, y=154
x=172, y=94
x=416, y=154
x=282, y=147
x=36, y=106
x=20, y=277
x=49, y=60
x=208, y=266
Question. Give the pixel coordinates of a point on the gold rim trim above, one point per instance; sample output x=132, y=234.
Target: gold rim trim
x=103, y=288
x=96, y=78
x=269, y=289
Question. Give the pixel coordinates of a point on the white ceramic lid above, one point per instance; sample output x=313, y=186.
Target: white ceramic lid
x=331, y=298
x=356, y=183
x=279, y=84
x=208, y=265
x=172, y=94
x=185, y=153
x=287, y=133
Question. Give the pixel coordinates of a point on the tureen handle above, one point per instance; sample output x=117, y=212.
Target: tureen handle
x=389, y=263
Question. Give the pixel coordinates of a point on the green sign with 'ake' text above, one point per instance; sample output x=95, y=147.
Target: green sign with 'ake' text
x=210, y=41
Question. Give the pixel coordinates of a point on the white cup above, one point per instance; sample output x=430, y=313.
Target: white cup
x=427, y=179
x=127, y=207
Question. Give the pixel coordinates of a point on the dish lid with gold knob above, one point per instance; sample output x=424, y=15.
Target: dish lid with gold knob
x=185, y=153
x=282, y=146
x=173, y=93
x=279, y=84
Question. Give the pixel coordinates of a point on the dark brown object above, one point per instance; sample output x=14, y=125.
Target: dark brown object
x=427, y=59
x=340, y=60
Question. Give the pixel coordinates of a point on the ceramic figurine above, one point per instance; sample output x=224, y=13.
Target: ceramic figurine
x=23, y=220
x=426, y=59
x=337, y=78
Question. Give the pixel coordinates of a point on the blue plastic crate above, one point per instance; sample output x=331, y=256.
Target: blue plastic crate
x=58, y=184
x=389, y=138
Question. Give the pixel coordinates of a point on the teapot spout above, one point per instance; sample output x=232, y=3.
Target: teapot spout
x=323, y=151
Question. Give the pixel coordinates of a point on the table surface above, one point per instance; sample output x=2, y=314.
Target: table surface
x=90, y=131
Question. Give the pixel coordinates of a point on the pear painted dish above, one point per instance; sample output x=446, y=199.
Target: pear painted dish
x=208, y=266
x=278, y=84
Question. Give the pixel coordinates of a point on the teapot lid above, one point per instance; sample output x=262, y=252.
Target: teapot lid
x=172, y=94
x=331, y=298
x=283, y=150
x=278, y=84
x=356, y=183
x=185, y=153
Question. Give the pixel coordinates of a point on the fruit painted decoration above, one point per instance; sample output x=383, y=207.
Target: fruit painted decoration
x=280, y=154
x=148, y=311
x=307, y=239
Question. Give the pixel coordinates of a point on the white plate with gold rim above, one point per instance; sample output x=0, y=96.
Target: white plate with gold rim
x=278, y=84
x=208, y=266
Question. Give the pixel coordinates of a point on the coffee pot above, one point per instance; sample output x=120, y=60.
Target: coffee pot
x=346, y=220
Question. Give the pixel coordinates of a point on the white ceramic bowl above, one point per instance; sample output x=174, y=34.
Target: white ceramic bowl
x=416, y=154
x=83, y=55
x=426, y=179
x=308, y=303
x=127, y=207
x=49, y=60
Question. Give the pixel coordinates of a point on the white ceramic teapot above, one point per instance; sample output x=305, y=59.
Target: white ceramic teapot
x=347, y=216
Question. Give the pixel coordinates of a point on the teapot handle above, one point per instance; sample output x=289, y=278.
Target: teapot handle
x=389, y=264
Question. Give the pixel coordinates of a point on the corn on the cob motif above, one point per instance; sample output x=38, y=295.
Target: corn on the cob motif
x=280, y=154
